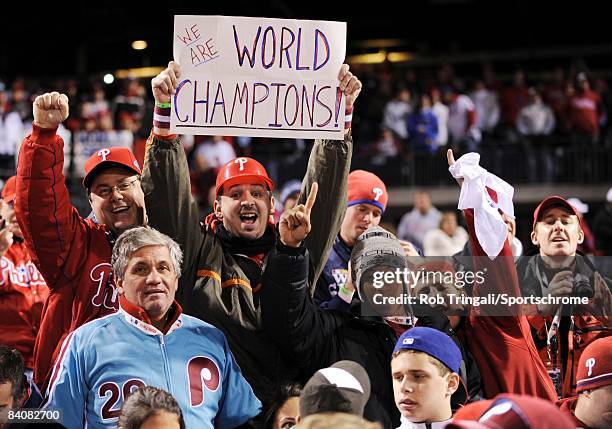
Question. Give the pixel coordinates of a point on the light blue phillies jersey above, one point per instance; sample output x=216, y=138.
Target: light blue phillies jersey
x=103, y=361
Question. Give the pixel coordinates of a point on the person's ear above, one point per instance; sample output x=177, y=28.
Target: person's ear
x=272, y=204
x=119, y=285
x=452, y=383
x=217, y=208
x=580, y=235
x=534, y=237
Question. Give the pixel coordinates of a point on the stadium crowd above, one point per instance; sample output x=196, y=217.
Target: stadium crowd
x=194, y=292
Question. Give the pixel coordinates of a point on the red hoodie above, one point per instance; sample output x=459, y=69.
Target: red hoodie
x=73, y=254
x=23, y=292
x=502, y=345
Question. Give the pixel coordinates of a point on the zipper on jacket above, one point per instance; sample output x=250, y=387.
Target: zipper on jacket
x=162, y=346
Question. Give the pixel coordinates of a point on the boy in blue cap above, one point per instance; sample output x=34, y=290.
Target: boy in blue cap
x=425, y=368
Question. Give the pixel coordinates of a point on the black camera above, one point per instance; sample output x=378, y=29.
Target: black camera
x=583, y=286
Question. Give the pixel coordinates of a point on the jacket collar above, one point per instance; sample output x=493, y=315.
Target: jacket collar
x=407, y=424
x=137, y=317
x=342, y=249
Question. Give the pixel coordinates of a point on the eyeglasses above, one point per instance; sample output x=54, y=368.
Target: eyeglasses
x=122, y=188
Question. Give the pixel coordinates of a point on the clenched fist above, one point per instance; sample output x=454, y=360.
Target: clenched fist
x=50, y=109
x=165, y=83
x=350, y=85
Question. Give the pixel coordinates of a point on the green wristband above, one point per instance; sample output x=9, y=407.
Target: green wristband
x=162, y=105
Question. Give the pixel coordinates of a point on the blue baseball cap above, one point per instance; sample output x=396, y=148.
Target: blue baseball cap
x=433, y=342
x=439, y=346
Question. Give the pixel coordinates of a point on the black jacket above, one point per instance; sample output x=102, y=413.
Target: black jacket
x=312, y=338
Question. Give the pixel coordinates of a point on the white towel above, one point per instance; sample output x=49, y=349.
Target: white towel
x=491, y=230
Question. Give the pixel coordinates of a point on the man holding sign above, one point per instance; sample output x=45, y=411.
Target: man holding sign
x=225, y=258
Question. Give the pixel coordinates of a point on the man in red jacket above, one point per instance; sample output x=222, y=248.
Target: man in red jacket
x=23, y=290
x=72, y=253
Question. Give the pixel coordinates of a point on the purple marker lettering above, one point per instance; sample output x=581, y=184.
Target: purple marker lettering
x=244, y=95
x=305, y=105
x=201, y=101
x=316, y=49
x=264, y=42
x=176, y=94
x=338, y=101
x=297, y=104
x=210, y=48
x=219, y=103
x=194, y=30
x=278, y=86
x=186, y=39
x=323, y=124
x=255, y=86
x=203, y=52
x=297, y=56
x=244, y=48
x=286, y=48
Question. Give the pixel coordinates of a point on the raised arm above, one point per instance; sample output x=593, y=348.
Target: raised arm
x=51, y=226
x=329, y=165
x=499, y=272
x=170, y=206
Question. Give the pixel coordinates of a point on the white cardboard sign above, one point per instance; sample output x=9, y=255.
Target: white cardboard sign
x=258, y=77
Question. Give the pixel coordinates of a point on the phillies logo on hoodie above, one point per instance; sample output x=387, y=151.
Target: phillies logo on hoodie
x=106, y=292
x=24, y=275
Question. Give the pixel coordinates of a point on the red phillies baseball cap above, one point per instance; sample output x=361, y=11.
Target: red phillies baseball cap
x=595, y=365
x=242, y=170
x=513, y=412
x=550, y=202
x=366, y=188
x=9, y=189
x=109, y=157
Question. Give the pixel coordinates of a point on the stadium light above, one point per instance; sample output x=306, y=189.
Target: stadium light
x=108, y=78
x=139, y=45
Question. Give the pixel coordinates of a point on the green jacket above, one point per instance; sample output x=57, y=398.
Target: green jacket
x=212, y=286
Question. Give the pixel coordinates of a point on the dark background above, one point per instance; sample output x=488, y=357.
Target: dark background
x=61, y=38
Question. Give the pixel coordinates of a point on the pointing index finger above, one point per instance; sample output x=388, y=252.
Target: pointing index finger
x=312, y=197
x=450, y=157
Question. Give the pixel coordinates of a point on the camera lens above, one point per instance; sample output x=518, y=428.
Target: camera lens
x=376, y=257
